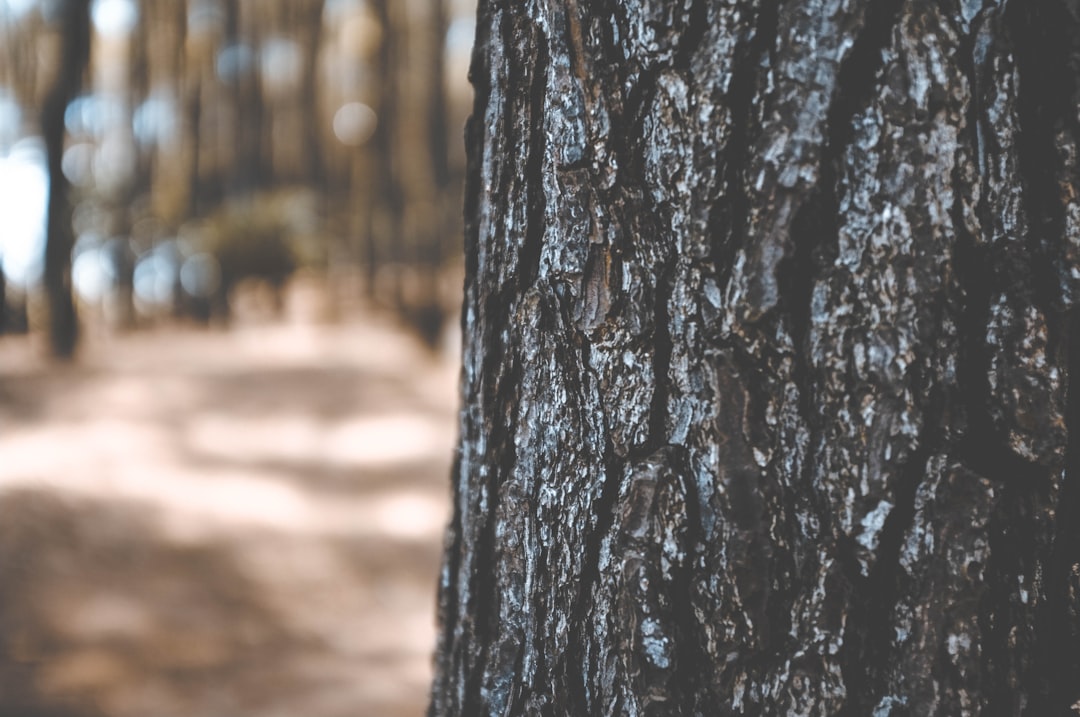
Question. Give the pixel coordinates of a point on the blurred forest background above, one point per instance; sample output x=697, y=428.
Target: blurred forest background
x=230, y=239
x=181, y=149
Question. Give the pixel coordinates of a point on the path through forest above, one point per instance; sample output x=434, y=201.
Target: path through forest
x=223, y=523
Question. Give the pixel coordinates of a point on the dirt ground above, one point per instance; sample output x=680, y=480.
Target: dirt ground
x=205, y=523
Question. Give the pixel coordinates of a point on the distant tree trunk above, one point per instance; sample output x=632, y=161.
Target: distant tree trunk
x=248, y=170
x=311, y=42
x=437, y=112
x=75, y=53
x=193, y=122
x=439, y=235
x=769, y=322
x=383, y=240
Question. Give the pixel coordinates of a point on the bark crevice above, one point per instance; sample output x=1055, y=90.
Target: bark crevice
x=729, y=216
x=1045, y=107
x=604, y=510
x=857, y=80
x=662, y=348
x=869, y=634
x=690, y=657
x=695, y=32
x=536, y=199
x=1047, y=58
x=1064, y=580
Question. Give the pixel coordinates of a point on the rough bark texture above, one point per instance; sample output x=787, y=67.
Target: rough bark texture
x=769, y=319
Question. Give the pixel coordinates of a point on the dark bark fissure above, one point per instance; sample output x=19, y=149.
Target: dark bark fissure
x=505, y=376
x=729, y=217
x=482, y=588
x=690, y=658
x=1013, y=686
x=536, y=199
x=857, y=80
x=1045, y=32
x=1064, y=583
x=1046, y=105
x=815, y=227
x=570, y=671
x=982, y=448
x=662, y=347
x=696, y=28
x=605, y=518
x=501, y=371
x=814, y=233
x=520, y=695
x=870, y=628
x=627, y=128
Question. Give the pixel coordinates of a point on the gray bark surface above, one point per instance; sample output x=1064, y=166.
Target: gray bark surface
x=768, y=329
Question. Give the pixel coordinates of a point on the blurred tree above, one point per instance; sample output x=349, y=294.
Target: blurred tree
x=770, y=322
x=189, y=107
x=385, y=202
x=74, y=20
x=309, y=21
x=411, y=228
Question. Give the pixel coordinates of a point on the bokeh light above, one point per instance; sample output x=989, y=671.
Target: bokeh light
x=16, y=8
x=114, y=17
x=155, y=121
x=281, y=65
x=354, y=123
x=24, y=192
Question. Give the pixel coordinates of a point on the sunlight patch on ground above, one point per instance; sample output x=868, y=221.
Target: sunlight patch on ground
x=84, y=453
x=381, y=441
x=193, y=504
x=278, y=437
x=405, y=514
x=377, y=441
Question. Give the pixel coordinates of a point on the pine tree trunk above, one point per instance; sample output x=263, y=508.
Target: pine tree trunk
x=769, y=321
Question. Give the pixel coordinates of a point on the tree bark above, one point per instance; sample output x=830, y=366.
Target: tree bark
x=769, y=321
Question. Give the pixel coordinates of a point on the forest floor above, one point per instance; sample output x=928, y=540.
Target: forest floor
x=223, y=523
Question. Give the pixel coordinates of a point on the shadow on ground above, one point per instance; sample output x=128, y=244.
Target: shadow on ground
x=100, y=612
x=240, y=523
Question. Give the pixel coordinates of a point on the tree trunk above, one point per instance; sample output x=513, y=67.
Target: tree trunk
x=769, y=321
x=59, y=239
x=385, y=203
x=311, y=34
